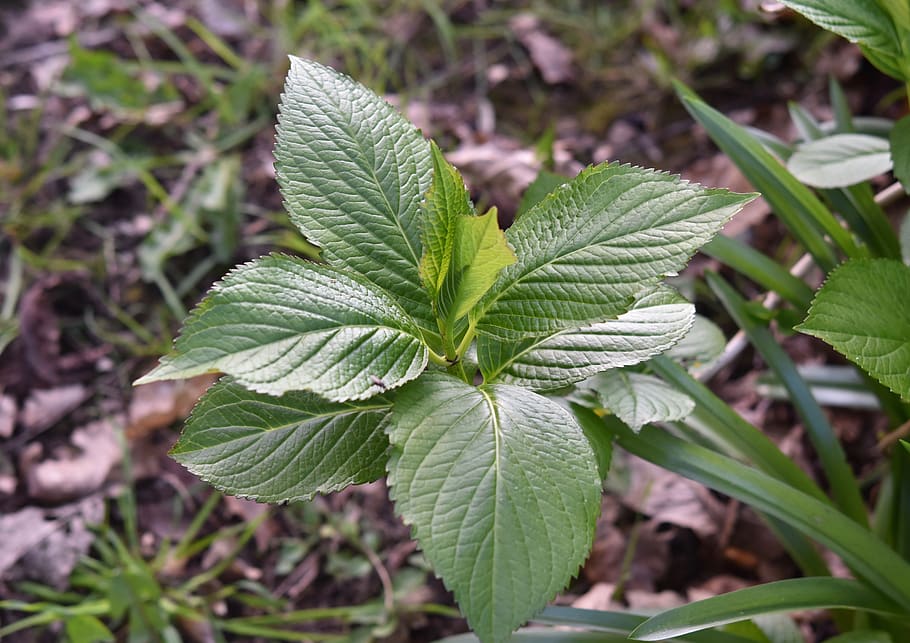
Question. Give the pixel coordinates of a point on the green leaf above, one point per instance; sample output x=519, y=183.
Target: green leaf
x=353, y=173
x=900, y=151
x=590, y=247
x=780, y=596
x=863, y=311
x=658, y=319
x=840, y=160
x=862, y=636
x=288, y=448
x=463, y=253
x=601, y=440
x=501, y=489
x=638, y=399
x=85, y=628
x=540, y=187
x=863, y=22
x=905, y=239
x=701, y=345
x=280, y=323
x=800, y=210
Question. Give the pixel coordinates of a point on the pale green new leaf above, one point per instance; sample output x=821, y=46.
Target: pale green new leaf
x=900, y=151
x=353, y=173
x=501, y=489
x=280, y=323
x=658, y=320
x=863, y=311
x=463, y=253
x=638, y=399
x=288, y=448
x=592, y=245
x=840, y=160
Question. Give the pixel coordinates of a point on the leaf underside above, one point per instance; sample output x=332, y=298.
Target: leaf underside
x=638, y=399
x=657, y=320
x=501, y=489
x=280, y=323
x=863, y=311
x=288, y=448
x=840, y=160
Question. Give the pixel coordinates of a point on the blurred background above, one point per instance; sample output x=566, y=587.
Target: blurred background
x=136, y=168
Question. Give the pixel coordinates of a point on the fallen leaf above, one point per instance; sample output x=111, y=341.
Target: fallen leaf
x=669, y=498
x=157, y=405
x=76, y=474
x=43, y=408
x=19, y=532
x=7, y=415
x=52, y=560
x=248, y=511
x=599, y=597
x=551, y=58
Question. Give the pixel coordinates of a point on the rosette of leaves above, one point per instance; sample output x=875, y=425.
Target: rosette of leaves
x=428, y=344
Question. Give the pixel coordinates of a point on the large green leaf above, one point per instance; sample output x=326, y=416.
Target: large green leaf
x=353, y=172
x=900, y=151
x=863, y=311
x=501, y=489
x=863, y=22
x=781, y=596
x=463, y=253
x=280, y=323
x=277, y=449
x=591, y=246
x=840, y=160
x=638, y=399
x=658, y=320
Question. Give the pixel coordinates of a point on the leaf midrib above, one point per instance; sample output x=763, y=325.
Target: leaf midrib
x=371, y=170
x=293, y=423
x=578, y=249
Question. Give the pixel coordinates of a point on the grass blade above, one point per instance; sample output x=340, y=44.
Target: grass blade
x=834, y=462
x=769, y=598
x=869, y=558
x=764, y=271
x=800, y=210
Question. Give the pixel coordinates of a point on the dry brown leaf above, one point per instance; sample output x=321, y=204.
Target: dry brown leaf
x=7, y=416
x=157, y=405
x=667, y=497
x=552, y=59
x=75, y=474
x=249, y=511
x=43, y=408
x=19, y=532
x=599, y=597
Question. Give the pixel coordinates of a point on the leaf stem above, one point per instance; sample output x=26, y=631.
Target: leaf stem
x=438, y=359
x=466, y=340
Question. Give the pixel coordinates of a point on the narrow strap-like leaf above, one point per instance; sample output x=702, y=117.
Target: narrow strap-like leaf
x=789, y=595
